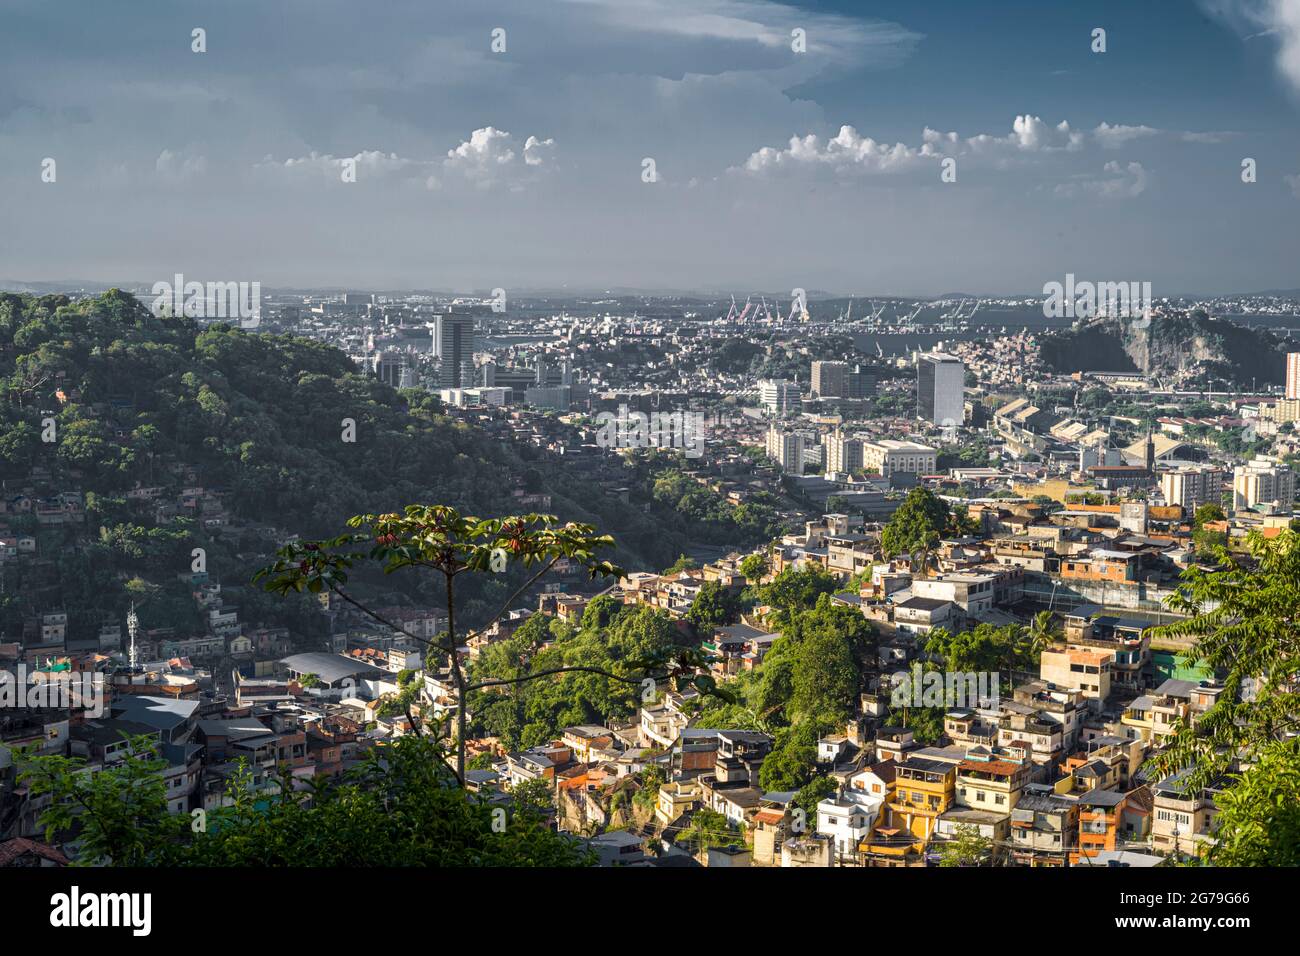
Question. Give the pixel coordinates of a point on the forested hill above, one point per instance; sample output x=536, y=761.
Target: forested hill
x=140, y=400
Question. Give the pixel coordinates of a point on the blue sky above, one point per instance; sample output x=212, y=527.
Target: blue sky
x=523, y=169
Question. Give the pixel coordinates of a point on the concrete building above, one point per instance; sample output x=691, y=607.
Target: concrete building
x=1192, y=487
x=1293, y=375
x=940, y=388
x=779, y=396
x=888, y=456
x=843, y=455
x=830, y=379
x=786, y=448
x=1263, y=482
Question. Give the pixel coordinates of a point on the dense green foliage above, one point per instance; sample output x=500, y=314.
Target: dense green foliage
x=1249, y=638
x=808, y=683
x=682, y=504
x=400, y=807
x=609, y=637
x=142, y=400
x=914, y=530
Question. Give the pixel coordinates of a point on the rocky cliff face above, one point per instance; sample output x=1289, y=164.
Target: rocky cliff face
x=1179, y=345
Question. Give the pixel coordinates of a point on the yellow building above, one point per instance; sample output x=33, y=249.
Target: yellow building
x=923, y=789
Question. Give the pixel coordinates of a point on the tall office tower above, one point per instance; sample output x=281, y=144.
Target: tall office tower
x=453, y=339
x=940, y=388
x=830, y=379
x=779, y=397
x=861, y=383
x=1192, y=487
x=843, y=454
x=1293, y=375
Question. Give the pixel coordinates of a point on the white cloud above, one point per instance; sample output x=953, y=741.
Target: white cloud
x=487, y=158
x=537, y=152
x=850, y=151
x=179, y=167
x=831, y=38
x=1208, y=136
x=1268, y=18
x=1113, y=137
x=1122, y=181
x=1294, y=183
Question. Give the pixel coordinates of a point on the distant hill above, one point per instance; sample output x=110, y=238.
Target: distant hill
x=142, y=400
x=1182, y=343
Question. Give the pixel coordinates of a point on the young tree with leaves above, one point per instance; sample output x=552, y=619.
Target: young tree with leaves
x=1244, y=619
x=439, y=539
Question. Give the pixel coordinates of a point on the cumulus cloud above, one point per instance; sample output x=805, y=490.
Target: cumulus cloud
x=179, y=167
x=1120, y=181
x=850, y=151
x=1113, y=137
x=489, y=157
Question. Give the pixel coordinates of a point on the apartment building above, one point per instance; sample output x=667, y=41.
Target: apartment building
x=1089, y=671
x=1193, y=487
x=1263, y=482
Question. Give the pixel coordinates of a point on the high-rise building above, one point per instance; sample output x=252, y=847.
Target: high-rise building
x=1263, y=482
x=1192, y=487
x=861, y=383
x=453, y=340
x=786, y=448
x=830, y=379
x=843, y=454
x=1293, y=375
x=940, y=388
x=779, y=396
x=389, y=367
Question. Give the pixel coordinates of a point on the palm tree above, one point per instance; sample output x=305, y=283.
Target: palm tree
x=1043, y=633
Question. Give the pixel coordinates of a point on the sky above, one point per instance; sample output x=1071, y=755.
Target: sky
x=506, y=143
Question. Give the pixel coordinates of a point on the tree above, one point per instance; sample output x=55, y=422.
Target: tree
x=400, y=807
x=1259, y=816
x=712, y=606
x=683, y=563
x=1243, y=617
x=710, y=829
x=754, y=567
x=439, y=539
x=966, y=848
x=1043, y=633
x=1207, y=512
x=796, y=589
x=926, y=723
x=121, y=809
x=916, y=527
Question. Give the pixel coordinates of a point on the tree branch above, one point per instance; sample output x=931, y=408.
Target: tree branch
x=565, y=670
